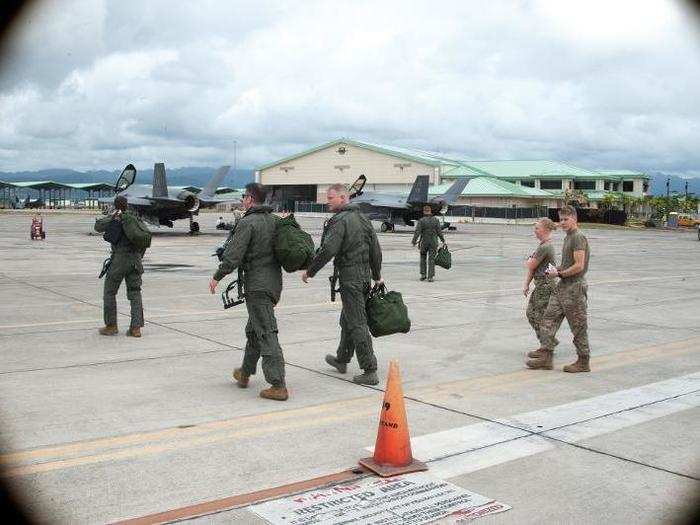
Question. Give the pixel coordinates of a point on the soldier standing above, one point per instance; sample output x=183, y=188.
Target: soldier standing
x=569, y=298
x=251, y=249
x=428, y=230
x=349, y=238
x=125, y=266
x=536, y=265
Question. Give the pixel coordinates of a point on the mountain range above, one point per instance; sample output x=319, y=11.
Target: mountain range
x=196, y=176
x=175, y=176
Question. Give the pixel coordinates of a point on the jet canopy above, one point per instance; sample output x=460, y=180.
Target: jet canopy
x=126, y=179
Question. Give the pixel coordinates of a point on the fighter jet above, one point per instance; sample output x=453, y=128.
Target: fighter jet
x=394, y=209
x=160, y=206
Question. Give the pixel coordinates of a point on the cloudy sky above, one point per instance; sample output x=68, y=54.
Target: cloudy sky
x=95, y=84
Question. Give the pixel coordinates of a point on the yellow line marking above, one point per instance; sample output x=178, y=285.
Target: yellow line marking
x=439, y=296
x=255, y=420
x=150, y=443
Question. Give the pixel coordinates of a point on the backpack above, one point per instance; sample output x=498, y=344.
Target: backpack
x=293, y=247
x=386, y=312
x=443, y=257
x=136, y=231
x=113, y=232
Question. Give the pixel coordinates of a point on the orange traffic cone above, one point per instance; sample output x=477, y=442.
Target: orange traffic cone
x=392, y=451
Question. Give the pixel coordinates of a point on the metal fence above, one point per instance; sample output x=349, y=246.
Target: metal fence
x=476, y=212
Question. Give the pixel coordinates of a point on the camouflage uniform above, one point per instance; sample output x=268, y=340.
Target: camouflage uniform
x=428, y=229
x=251, y=249
x=350, y=238
x=569, y=299
x=539, y=298
x=127, y=266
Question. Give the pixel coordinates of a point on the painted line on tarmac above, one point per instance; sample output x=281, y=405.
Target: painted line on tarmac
x=337, y=305
x=507, y=381
x=114, y=448
x=462, y=450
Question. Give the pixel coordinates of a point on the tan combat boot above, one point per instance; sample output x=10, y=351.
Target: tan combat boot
x=535, y=353
x=134, y=331
x=241, y=378
x=544, y=362
x=582, y=364
x=277, y=393
x=110, y=329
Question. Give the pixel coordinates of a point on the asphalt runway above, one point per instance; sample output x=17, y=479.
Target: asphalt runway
x=100, y=429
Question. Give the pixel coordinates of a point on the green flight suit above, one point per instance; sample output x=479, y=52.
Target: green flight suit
x=569, y=299
x=251, y=248
x=126, y=266
x=349, y=238
x=428, y=229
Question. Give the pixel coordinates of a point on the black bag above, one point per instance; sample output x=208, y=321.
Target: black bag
x=443, y=257
x=113, y=232
x=386, y=313
x=294, y=248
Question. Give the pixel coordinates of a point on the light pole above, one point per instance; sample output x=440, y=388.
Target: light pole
x=668, y=185
x=235, y=144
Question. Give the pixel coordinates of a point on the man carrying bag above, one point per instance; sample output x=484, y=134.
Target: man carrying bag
x=350, y=239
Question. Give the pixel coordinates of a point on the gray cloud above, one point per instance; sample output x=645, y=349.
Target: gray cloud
x=95, y=85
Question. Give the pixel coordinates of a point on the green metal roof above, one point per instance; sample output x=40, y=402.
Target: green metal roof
x=625, y=174
x=493, y=187
x=41, y=185
x=85, y=186
x=424, y=157
x=523, y=169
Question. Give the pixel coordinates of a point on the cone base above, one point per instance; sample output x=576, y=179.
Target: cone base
x=387, y=471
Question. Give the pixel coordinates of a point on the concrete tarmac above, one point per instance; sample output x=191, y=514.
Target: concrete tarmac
x=99, y=429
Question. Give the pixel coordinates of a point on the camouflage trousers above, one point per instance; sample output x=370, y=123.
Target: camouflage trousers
x=427, y=259
x=127, y=268
x=568, y=300
x=354, y=333
x=261, y=334
x=536, y=306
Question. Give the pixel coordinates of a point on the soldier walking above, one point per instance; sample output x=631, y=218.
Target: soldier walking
x=125, y=266
x=536, y=265
x=349, y=238
x=251, y=249
x=428, y=230
x=569, y=299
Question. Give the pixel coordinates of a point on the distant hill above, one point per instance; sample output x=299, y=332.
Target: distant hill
x=176, y=176
x=658, y=184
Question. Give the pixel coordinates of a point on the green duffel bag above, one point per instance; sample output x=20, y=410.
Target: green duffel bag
x=386, y=313
x=294, y=248
x=443, y=257
x=136, y=231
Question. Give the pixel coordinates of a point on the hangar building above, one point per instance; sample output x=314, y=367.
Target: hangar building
x=305, y=176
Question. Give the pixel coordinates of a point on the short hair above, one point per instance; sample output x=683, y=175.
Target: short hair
x=548, y=224
x=257, y=191
x=428, y=207
x=120, y=202
x=338, y=187
x=568, y=211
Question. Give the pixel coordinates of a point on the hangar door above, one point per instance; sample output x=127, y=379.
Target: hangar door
x=287, y=195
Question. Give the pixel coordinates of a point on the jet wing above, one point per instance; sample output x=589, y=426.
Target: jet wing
x=381, y=200
x=131, y=201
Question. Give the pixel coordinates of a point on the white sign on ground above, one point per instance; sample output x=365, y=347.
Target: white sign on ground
x=412, y=499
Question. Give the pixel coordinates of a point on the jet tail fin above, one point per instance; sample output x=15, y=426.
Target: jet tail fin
x=454, y=191
x=160, y=184
x=210, y=189
x=419, y=191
